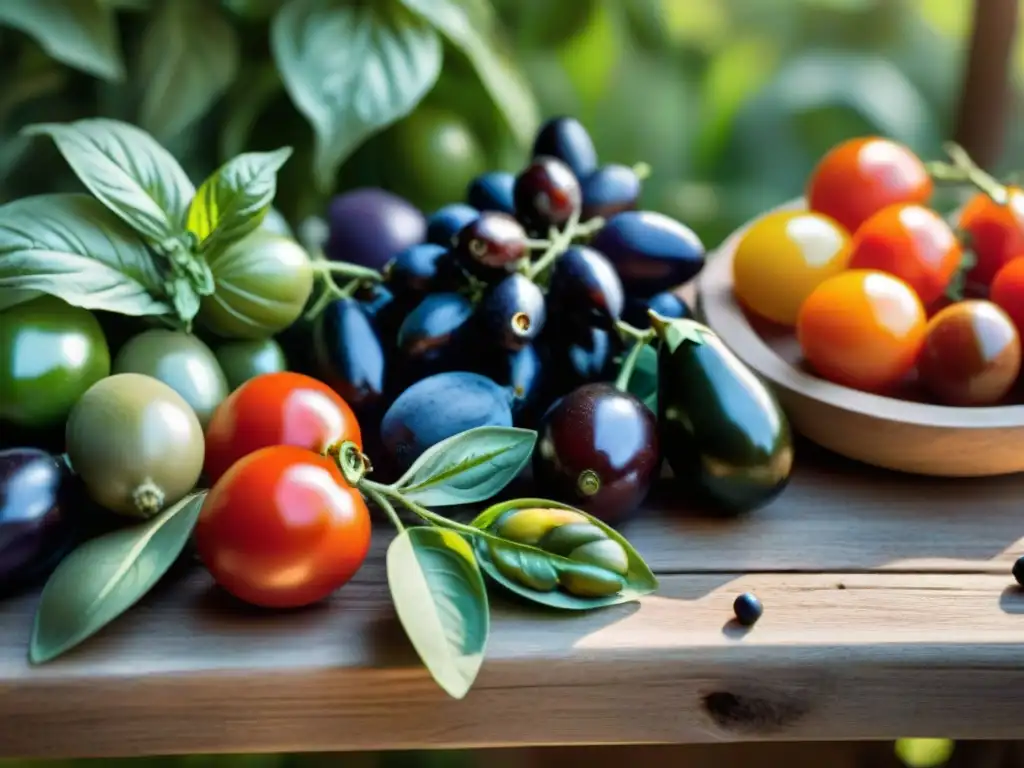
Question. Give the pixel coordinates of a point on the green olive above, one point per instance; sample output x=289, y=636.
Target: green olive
x=246, y=359
x=182, y=362
x=585, y=580
x=135, y=443
x=533, y=572
x=607, y=554
x=528, y=526
x=50, y=353
x=262, y=284
x=564, y=539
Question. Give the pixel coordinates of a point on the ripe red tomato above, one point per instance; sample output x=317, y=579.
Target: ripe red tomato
x=996, y=233
x=277, y=409
x=911, y=242
x=282, y=528
x=860, y=177
x=862, y=329
x=1008, y=292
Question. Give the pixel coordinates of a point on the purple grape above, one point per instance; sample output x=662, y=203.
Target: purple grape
x=371, y=226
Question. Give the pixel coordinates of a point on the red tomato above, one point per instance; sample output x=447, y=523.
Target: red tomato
x=1008, y=292
x=862, y=329
x=860, y=177
x=277, y=409
x=914, y=244
x=282, y=528
x=996, y=233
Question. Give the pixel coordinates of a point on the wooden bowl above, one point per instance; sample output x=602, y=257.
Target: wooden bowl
x=907, y=435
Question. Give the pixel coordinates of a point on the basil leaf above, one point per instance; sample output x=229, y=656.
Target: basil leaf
x=128, y=171
x=639, y=579
x=468, y=467
x=189, y=56
x=106, y=576
x=352, y=69
x=72, y=247
x=441, y=601
x=79, y=33
x=508, y=87
x=233, y=201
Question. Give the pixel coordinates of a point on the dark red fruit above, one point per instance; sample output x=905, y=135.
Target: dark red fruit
x=512, y=313
x=490, y=246
x=597, y=449
x=585, y=287
x=547, y=194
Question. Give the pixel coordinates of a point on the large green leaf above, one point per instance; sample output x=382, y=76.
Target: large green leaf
x=233, y=201
x=79, y=33
x=189, y=58
x=128, y=171
x=441, y=600
x=507, y=86
x=352, y=69
x=106, y=576
x=468, y=467
x=72, y=247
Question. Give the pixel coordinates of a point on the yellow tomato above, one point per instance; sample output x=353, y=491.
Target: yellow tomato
x=782, y=257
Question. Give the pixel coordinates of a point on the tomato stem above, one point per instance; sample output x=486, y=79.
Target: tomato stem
x=378, y=498
x=352, y=462
x=964, y=169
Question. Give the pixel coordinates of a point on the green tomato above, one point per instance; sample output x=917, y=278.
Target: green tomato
x=245, y=359
x=262, y=284
x=50, y=353
x=435, y=155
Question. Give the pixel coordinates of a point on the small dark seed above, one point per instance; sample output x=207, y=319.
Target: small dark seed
x=748, y=609
x=1018, y=570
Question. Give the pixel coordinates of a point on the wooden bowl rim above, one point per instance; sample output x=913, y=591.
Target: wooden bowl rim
x=725, y=317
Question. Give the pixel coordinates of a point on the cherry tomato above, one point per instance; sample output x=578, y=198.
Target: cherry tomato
x=971, y=354
x=281, y=408
x=860, y=177
x=862, y=329
x=914, y=244
x=1008, y=292
x=996, y=233
x=282, y=528
x=784, y=256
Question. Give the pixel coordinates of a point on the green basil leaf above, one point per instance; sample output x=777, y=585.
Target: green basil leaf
x=441, y=601
x=106, y=576
x=508, y=87
x=246, y=102
x=352, y=69
x=189, y=56
x=185, y=298
x=79, y=33
x=644, y=381
x=468, y=467
x=128, y=171
x=233, y=201
x=639, y=579
x=72, y=247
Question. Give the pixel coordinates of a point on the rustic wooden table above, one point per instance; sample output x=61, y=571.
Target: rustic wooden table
x=889, y=611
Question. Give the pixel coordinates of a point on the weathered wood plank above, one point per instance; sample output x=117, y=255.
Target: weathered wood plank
x=836, y=656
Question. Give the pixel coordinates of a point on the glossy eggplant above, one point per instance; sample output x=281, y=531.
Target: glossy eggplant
x=667, y=304
x=585, y=288
x=521, y=372
x=349, y=356
x=36, y=524
x=492, y=191
x=445, y=223
x=432, y=338
x=384, y=310
x=722, y=430
x=578, y=355
x=547, y=195
x=651, y=252
x=566, y=139
x=512, y=313
x=609, y=190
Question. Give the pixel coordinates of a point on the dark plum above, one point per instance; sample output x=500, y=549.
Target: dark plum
x=438, y=407
x=609, y=190
x=585, y=287
x=445, y=223
x=492, y=191
x=491, y=246
x=383, y=309
x=370, y=226
x=651, y=252
x=566, y=139
x=512, y=313
x=35, y=528
x=414, y=271
x=546, y=194
x=522, y=373
x=667, y=304
x=349, y=355
x=597, y=449
x=431, y=338
x=577, y=355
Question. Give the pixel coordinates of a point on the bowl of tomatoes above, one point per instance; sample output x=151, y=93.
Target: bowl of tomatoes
x=891, y=333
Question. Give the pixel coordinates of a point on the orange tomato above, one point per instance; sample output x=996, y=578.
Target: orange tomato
x=996, y=233
x=860, y=177
x=280, y=408
x=282, y=528
x=1008, y=292
x=862, y=329
x=911, y=242
x=971, y=354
